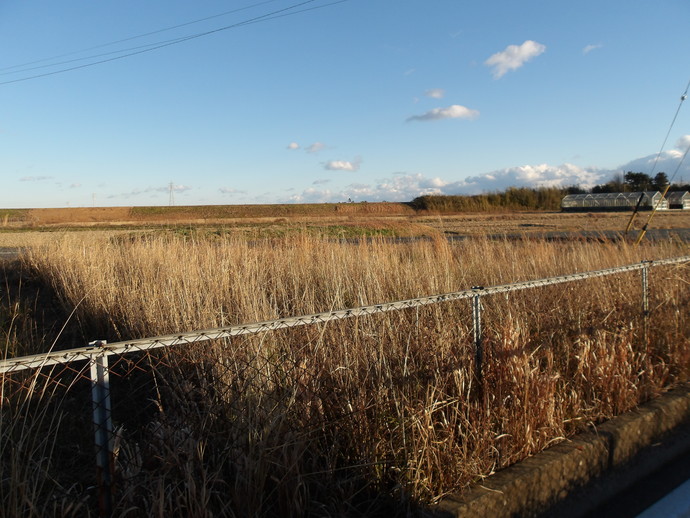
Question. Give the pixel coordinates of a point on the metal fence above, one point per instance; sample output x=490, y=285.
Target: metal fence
x=65, y=377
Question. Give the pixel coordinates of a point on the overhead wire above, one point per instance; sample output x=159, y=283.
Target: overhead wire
x=644, y=229
x=279, y=13
x=3, y=70
x=673, y=122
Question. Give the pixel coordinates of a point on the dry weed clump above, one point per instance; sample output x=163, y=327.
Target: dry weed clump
x=364, y=415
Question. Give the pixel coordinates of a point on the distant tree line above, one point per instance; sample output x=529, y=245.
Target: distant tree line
x=540, y=198
x=513, y=198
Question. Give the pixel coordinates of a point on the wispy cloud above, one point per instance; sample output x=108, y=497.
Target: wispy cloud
x=401, y=187
x=35, y=178
x=454, y=111
x=149, y=190
x=315, y=147
x=406, y=186
x=74, y=185
x=683, y=142
x=343, y=165
x=230, y=190
x=312, y=148
x=435, y=93
x=513, y=57
x=542, y=175
x=590, y=48
x=668, y=162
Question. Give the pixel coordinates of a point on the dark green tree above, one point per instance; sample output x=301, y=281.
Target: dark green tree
x=638, y=181
x=660, y=182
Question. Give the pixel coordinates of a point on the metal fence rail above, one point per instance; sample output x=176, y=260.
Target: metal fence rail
x=144, y=344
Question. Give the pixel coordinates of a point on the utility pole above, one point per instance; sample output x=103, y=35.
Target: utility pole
x=171, y=191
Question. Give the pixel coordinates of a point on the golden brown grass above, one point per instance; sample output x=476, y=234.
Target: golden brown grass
x=356, y=218
x=323, y=420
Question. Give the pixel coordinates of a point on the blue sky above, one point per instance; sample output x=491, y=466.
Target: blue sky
x=360, y=99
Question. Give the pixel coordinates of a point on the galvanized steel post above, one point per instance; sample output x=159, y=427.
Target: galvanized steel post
x=477, y=326
x=103, y=429
x=645, y=300
x=645, y=288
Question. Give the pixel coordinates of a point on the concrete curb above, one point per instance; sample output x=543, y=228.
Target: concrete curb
x=532, y=486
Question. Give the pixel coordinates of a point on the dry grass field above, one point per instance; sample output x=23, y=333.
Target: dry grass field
x=23, y=227
x=355, y=417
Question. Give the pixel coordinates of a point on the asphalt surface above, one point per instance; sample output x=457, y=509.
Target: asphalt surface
x=621, y=493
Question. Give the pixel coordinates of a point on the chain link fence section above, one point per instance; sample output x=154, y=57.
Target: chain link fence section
x=125, y=347
x=245, y=401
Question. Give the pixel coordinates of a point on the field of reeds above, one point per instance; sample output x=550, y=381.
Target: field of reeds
x=357, y=417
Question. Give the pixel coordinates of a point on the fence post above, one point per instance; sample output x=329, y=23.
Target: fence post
x=645, y=299
x=477, y=326
x=645, y=288
x=103, y=429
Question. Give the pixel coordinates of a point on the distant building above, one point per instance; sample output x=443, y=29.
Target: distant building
x=613, y=201
x=678, y=200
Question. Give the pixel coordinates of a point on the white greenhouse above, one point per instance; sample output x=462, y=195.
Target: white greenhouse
x=613, y=201
x=678, y=200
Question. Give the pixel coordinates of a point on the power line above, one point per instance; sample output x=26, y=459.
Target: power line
x=663, y=144
x=4, y=69
x=643, y=231
x=280, y=13
x=680, y=162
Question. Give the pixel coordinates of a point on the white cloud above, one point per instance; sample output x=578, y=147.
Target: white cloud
x=315, y=147
x=683, y=143
x=400, y=187
x=321, y=182
x=343, y=165
x=543, y=175
x=35, y=178
x=454, y=111
x=513, y=57
x=405, y=186
x=668, y=162
x=150, y=190
x=435, y=93
x=590, y=48
x=74, y=185
x=230, y=190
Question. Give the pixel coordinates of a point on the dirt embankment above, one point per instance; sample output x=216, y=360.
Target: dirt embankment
x=89, y=216
x=67, y=216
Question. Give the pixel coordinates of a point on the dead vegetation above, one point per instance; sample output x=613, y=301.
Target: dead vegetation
x=355, y=417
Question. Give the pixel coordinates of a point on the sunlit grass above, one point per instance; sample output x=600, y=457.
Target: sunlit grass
x=326, y=419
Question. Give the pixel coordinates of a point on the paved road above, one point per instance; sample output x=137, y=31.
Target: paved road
x=634, y=488
x=674, y=505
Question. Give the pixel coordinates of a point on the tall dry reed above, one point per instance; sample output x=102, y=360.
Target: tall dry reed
x=357, y=416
